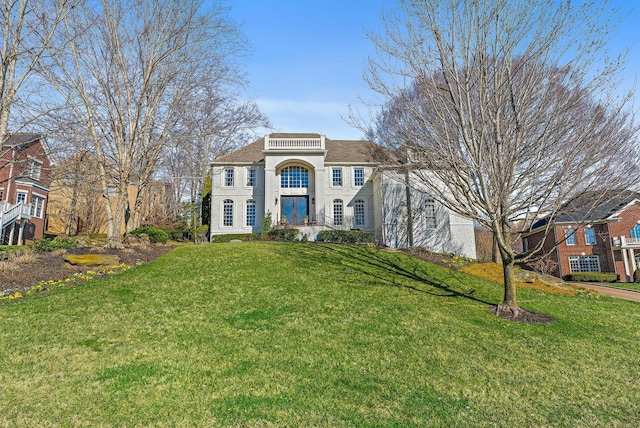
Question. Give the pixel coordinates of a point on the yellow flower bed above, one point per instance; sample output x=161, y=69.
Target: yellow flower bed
x=493, y=272
x=69, y=281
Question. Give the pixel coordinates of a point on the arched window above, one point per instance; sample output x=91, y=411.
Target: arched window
x=227, y=212
x=294, y=177
x=338, y=212
x=359, y=212
x=251, y=213
x=635, y=231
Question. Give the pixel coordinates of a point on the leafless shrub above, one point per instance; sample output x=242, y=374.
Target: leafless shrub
x=24, y=259
x=7, y=267
x=96, y=250
x=59, y=252
x=544, y=265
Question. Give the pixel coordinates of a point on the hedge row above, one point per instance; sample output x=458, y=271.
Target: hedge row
x=593, y=277
x=346, y=236
x=636, y=276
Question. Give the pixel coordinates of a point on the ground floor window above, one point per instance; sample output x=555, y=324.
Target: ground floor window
x=359, y=212
x=584, y=263
x=338, y=215
x=251, y=213
x=37, y=203
x=227, y=212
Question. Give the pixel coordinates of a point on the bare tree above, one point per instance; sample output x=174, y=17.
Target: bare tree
x=210, y=124
x=27, y=29
x=124, y=69
x=506, y=110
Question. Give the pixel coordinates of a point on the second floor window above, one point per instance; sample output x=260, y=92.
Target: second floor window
x=589, y=236
x=21, y=198
x=570, y=236
x=336, y=177
x=294, y=177
x=358, y=177
x=251, y=177
x=34, y=168
x=228, y=177
x=635, y=231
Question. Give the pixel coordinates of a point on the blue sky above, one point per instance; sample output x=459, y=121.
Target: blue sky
x=307, y=58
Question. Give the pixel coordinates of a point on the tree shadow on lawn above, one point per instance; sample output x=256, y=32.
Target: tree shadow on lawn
x=367, y=262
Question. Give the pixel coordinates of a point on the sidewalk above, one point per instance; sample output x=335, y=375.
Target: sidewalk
x=610, y=291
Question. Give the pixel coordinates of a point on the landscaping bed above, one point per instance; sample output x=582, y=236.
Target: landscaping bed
x=22, y=272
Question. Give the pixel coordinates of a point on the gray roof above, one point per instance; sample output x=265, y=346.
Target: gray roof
x=351, y=151
x=20, y=138
x=593, y=208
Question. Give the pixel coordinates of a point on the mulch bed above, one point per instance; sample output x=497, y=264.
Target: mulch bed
x=51, y=265
x=524, y=316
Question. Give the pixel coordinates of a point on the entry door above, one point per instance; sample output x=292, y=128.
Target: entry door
x=295, y=208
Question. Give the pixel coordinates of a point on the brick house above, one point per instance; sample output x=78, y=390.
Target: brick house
x=604, y=239
x=25, y=170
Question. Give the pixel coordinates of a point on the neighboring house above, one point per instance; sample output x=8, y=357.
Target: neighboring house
x=603, y=239
x=25, y=170
x=313, y=183
x=76, y=205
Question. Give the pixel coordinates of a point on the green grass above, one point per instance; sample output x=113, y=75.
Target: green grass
x=279, y=334
x=625, y=285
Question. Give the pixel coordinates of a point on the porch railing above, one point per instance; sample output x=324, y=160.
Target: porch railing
x=10, y=213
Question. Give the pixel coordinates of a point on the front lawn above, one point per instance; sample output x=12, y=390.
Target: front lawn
x=280, y=334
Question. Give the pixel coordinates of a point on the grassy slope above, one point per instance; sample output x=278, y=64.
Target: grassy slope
x=255, y=334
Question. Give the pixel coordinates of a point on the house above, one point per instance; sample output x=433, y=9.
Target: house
x=76, y=203
x=25, y=170
x=600, y=238
x=313, y=183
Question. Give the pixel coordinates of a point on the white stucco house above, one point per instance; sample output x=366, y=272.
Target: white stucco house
x=313, y=183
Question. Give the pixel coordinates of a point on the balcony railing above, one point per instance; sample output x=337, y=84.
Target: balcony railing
x=625, y=242
x=294, y=143
x=10, y=213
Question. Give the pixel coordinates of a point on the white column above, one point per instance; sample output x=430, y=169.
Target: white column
x=21, y=232
x=319, y=193
x=626, y=264
x=13, y=229
x=271, y=195
x=632, y=257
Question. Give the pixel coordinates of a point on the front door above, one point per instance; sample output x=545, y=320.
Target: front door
x=294, y=208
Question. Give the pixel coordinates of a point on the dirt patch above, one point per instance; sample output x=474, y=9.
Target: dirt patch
x=51, y=265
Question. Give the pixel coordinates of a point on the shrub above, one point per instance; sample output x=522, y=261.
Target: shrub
x=636, y=276
x=58, y=243
x=346, y=236
x=154, y=234
x=286, y=234
x=267, y=224
x=593, y=277
x=234, y=236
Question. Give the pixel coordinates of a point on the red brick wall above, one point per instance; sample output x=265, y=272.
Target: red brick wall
x=36, y=226
x=628, y=219
x=601, y=248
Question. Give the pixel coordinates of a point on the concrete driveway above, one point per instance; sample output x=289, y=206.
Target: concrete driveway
x=610, y=291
